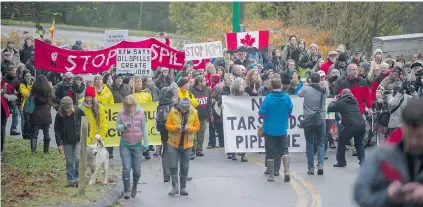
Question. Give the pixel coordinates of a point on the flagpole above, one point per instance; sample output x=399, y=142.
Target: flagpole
x=236, y=16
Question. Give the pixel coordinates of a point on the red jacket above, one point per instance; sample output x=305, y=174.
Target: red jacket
x=375, y=85
x=325, y=66
x=4, y=105
x=395, y=137
x=360, y=91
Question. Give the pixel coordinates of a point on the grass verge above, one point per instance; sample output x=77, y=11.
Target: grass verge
x=89, y=29
x=40, y=179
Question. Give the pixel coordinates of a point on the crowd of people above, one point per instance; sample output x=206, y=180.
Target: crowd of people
x=189, y=100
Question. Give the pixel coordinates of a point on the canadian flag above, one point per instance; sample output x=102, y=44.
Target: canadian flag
x=247, y=41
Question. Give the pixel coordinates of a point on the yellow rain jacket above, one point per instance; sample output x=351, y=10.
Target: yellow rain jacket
x=104, y=97
x=174, y=119
x=189, y=95
x=25, y=90
x=94, y=129
x=144, y=96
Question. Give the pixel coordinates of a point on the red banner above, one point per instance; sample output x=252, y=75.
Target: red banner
x=48, y=57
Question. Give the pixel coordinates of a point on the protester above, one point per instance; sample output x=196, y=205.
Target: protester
x=142, y=95
x=77, y=90
x=253, y=82
x=275, y=111
x=357, y=58
x=314, y=105
x=10, y=78
x=26, y=52
x=332, y=57
x=6, y=94
x=291, y=50
x=390, y=176
x=396, y=103
x=202, y=95
x=67, y=129
x=6, y=62
x=77, y=45
x=164, y=79
x=238, y=89
x=377, y=58
x=183, y=92
x=147, y=83
x=168, y=98
x=10, y=48
x=63, y=88
x=119, y=90
x=131, y=122
x=354, y=125
x=104, y=94
x=96, y=115
x=182, y=123
x=24, y=92
x=43, y=94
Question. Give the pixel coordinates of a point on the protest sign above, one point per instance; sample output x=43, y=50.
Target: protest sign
x=241, y=119
x=112, y=37
x=203, y=50
x=52, y=58
x=112, y=138
x=136, y=61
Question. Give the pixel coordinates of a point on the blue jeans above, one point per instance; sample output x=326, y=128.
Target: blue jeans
x=315, y=135
x=131, y=159
x=72, y=152
x=15, y=118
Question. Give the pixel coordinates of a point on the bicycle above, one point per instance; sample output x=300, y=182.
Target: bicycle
x=380, y=131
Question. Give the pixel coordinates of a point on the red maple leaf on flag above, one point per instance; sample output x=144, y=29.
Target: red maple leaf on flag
x=248, y=41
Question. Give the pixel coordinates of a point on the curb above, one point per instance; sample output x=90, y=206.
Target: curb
x=111, y=198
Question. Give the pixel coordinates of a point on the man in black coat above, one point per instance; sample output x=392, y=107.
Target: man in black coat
x=354, y=126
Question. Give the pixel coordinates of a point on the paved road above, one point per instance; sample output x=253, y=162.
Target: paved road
x=221, y=182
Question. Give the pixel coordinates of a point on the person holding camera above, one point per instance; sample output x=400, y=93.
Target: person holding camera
x=354, y=125
x=396, y=103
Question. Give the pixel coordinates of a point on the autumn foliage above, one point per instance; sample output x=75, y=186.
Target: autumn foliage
x=217, y=29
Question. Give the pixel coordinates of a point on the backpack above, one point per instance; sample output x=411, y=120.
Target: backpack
x=161, y=115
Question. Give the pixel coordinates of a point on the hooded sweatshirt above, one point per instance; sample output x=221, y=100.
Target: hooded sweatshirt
x=275, y=110
x=203, y=97
x=348, y=107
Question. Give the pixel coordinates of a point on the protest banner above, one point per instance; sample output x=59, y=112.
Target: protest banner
x=203, y=50
x=112, y=138
x=56, y=59
x=136, y=61
x=112, y=37
x=241, y=119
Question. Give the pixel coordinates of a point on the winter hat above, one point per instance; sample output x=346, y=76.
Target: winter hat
x=314, y=45
x=252, y=65
x=66, y=102
x=182, y=82
x=377, y=51
x=331, y=53
x=269, y=66
x=98, y=76
x=214, y=80
x=366, y=66
x=68, y=75
x=341, y=48
x=198, y=79
x=334, y=72
x=184, y=103
x=21, y=65
x=322, y=73
x=79, y=76
x=268, y=71
x=291, y=71
x=90, y=91
x=342, y=58
x=397, y=70
x=417, y=63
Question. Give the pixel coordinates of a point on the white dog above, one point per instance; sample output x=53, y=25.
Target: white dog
x=97, y=156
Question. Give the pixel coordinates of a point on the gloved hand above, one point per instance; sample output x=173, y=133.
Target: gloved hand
x=10, y=97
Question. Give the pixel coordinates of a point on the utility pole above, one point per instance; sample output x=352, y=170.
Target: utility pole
x=140, y=17
x=236, y=16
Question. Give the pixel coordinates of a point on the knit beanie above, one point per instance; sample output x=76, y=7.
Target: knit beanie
x=198, y=79
x=66, y=102
x=182, y=82
x=314, y=45
x=90, y=91
x=290, y=72
x=184, y=103
x=342, y=58
x=366, y=66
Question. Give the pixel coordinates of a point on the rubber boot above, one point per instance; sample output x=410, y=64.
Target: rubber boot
x=126, y=185
x=286, y=159
x=270, y=166
x=134, y=187
x=175, y=186
x=46, y=146
x=183, y=181
x=34, y=146
x=243, y=158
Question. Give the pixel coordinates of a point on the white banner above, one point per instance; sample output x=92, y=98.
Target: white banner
x=241, y=119
x=112, y=37
x=136, y=61
x=205, y=50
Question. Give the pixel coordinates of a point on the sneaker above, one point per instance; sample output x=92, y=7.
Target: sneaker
x=166, y=180
x=310, y=171
x=320, y=169
x=199, y=154
x=332, y=145
x=189, y=178
x=14, y=132
x=110, y=156
x=127, y=195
